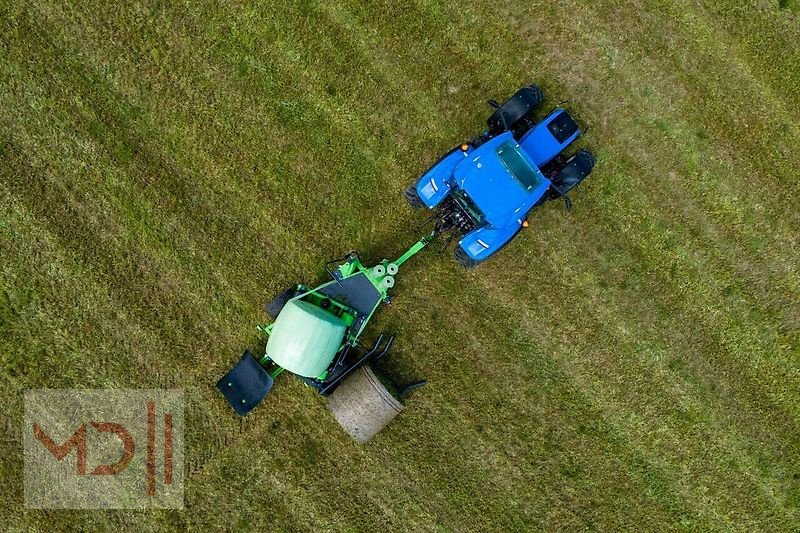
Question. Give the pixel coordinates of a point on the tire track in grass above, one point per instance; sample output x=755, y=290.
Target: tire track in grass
x=67, y=203
x=80, y=163
x=182, y=179
x=85, y=224
x=667, y=200
x=77, y=309
x=789, y=283
x=139, y=339
x=717, y=118
x=547, y=419
x=692, y=406
x=766, y=37
x=288, y=442
x=687, y=253
x=755, y=407
x=245, y=197
x=751, y=404
x=604, y=252
x=608, y=399
x=493, y=374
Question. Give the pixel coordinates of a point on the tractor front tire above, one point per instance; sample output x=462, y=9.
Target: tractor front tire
x=463, y=259
x=412, y=197
x=274, y=307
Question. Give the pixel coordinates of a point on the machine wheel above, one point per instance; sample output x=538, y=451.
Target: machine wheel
x=576, y=169
x=412, y=197
x=509, y=115
x=274, y=307
x=463, y=259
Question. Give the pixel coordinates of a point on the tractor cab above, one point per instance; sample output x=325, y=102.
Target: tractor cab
x=499, y=177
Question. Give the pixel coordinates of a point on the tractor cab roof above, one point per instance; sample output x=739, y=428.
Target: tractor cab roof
x=500, y=178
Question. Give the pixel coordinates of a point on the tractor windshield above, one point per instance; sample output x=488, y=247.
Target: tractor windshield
x=518, y=166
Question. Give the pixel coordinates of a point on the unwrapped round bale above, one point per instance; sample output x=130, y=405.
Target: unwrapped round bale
x=362, y=404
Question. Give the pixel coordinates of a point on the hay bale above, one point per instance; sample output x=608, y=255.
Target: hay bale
x=362, y=404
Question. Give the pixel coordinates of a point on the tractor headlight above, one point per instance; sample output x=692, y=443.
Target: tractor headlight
x=475, y=249
x=433, y=184
x=427, y=191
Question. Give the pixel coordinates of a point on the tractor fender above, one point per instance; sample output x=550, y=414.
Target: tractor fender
x=436, y=183
x=483, y=242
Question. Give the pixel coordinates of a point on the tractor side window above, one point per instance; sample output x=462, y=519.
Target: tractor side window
x=562, y=127
x=518, y=166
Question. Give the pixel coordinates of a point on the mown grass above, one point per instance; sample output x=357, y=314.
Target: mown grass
x=166, y=169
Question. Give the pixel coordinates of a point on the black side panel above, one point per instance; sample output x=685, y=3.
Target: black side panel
x=355, y=291
x=274, y=307
x=245, y=385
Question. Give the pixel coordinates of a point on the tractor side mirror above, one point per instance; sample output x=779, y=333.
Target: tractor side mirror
x=559, y=192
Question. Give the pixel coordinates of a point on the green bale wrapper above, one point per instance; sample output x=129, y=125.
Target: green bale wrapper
x=305, y=338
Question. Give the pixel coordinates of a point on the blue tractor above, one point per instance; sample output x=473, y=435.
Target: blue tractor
x=483, y=190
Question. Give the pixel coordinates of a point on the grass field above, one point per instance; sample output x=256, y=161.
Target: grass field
x=166, y=169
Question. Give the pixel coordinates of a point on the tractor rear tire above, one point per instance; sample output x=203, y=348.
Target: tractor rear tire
x=274, y=307
x=463, y=259
x=514, y=110
x=412, y=197
x=577, y=168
